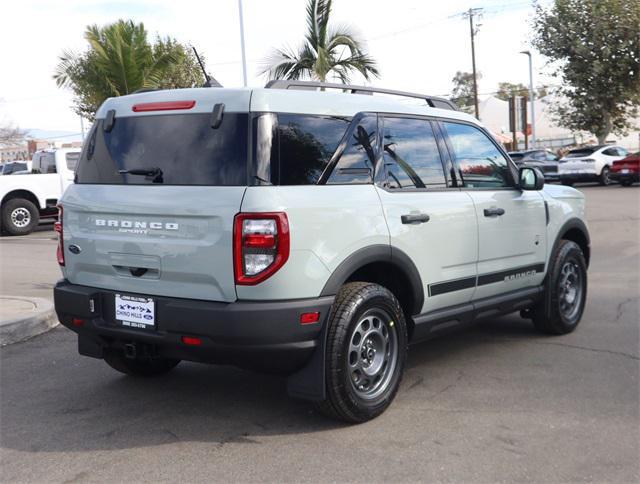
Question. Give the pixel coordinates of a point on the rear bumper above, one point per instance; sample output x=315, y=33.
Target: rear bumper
x=257, y=335
x=619, y=176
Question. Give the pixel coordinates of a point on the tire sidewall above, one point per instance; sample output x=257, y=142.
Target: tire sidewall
x=376, y=297
x=568, y=251
x=14, y=204
x=604, y=176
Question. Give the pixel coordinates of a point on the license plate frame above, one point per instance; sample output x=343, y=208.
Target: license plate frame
x=135, y=312
x=624, y=171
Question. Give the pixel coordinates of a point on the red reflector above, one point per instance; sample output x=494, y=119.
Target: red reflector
x=163, y=106
x=259, y=241
x=191, y=340
x=309, y=318
x=78, y=321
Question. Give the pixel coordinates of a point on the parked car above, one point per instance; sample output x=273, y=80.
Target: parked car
x=26, y=198
x=545, y=160
x=12, y=167
x=314, y=233
x=627, y=171
x=589, y=163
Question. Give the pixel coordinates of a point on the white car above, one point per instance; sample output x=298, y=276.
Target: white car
x=25, y=198
x=589, y=163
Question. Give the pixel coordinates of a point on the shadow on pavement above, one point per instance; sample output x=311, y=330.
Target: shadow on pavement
x=54, y=400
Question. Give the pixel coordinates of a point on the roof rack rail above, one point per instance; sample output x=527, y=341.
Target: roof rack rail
x=433, y=101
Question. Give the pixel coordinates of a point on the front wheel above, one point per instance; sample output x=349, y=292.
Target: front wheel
x=605, y=179
x=561, y=309
x=366, y=352
x=19, y=216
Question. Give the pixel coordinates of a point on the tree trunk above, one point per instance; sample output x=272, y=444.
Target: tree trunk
x=605, y=129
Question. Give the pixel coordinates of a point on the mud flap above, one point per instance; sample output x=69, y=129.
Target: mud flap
x=308, y=383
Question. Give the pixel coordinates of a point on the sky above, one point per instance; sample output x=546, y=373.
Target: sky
x=418, y=44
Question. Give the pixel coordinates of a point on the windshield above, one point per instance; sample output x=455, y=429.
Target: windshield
x=174, y=149
x=13, y=167
x=580, y=152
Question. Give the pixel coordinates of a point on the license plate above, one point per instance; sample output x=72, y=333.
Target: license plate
x=135, y=312
x=624, y=170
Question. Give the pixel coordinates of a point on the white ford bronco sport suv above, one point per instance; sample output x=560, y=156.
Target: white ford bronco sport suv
x=313, y=233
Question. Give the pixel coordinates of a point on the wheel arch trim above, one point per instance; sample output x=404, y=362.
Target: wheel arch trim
x=569, y=225
x=372, y=254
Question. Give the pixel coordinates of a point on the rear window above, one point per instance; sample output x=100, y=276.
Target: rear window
x=581, y=152
x=175, y=149
x=516, y=156
x=72, y=160
x=13, y=167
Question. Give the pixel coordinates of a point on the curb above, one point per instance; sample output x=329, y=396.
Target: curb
x=39, y=318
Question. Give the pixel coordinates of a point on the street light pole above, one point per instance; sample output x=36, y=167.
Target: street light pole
x=532, y=98
x=244, y=59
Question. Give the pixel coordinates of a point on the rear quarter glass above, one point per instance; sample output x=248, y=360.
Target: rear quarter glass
x=186, y=149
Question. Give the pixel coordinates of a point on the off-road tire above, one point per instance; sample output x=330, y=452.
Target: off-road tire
x=19, y=216
x=604, y=178
x=144, y=367
x=355, y=304
x=552, y=315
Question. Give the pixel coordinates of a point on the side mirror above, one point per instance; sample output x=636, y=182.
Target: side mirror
x=531, y=179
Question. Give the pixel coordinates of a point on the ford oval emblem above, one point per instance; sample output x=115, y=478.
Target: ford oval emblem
x=74, y=249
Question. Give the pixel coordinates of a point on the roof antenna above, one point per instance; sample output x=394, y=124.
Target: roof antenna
x=209, y=81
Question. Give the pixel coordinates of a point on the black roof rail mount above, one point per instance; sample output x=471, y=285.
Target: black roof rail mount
x=433, y=101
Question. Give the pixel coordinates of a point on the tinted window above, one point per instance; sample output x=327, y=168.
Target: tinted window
x=47, y=163
x=184, y=147
x=13, y=167
x=516, y=156
x=610, y=152
x=580, y=152
x=357, y=160
x=479, y=161
x=72, y=160
x=306, y=144
x=410, y=153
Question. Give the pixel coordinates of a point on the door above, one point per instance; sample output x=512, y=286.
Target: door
x=511, y=222
x=428, y=219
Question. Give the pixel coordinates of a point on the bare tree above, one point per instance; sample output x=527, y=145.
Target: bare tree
x=10, y=134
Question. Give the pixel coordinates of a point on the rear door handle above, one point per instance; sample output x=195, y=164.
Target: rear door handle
x=414, y=218
x=493, y=212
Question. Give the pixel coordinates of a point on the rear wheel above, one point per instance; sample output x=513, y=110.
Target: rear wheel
x=561, y=309
x=365, y=354
x=139, y=366
x=19, y=216
x=605, y=179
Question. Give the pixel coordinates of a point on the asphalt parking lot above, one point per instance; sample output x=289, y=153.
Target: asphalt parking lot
x=498, y=402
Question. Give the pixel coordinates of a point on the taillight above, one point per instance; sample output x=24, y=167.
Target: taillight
x=58, y=227
x=260, y=244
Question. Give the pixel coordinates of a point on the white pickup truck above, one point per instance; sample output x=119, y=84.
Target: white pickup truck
x=27, y=197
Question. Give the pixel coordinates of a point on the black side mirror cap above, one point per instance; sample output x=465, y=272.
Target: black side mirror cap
x=530, y=178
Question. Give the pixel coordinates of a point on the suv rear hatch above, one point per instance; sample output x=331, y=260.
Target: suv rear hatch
x=153, y=206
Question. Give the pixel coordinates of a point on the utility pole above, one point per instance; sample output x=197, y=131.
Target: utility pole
x=532, y=95
x=244, y=59
x=473, y=31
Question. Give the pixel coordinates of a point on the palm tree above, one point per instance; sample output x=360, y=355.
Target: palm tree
x=324, y=51
x=121, y=59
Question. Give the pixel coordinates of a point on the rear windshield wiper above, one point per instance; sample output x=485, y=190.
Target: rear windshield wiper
x=154, y=173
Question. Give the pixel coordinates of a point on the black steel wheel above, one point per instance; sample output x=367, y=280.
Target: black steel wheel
x=366, y=352
x=561, y=309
